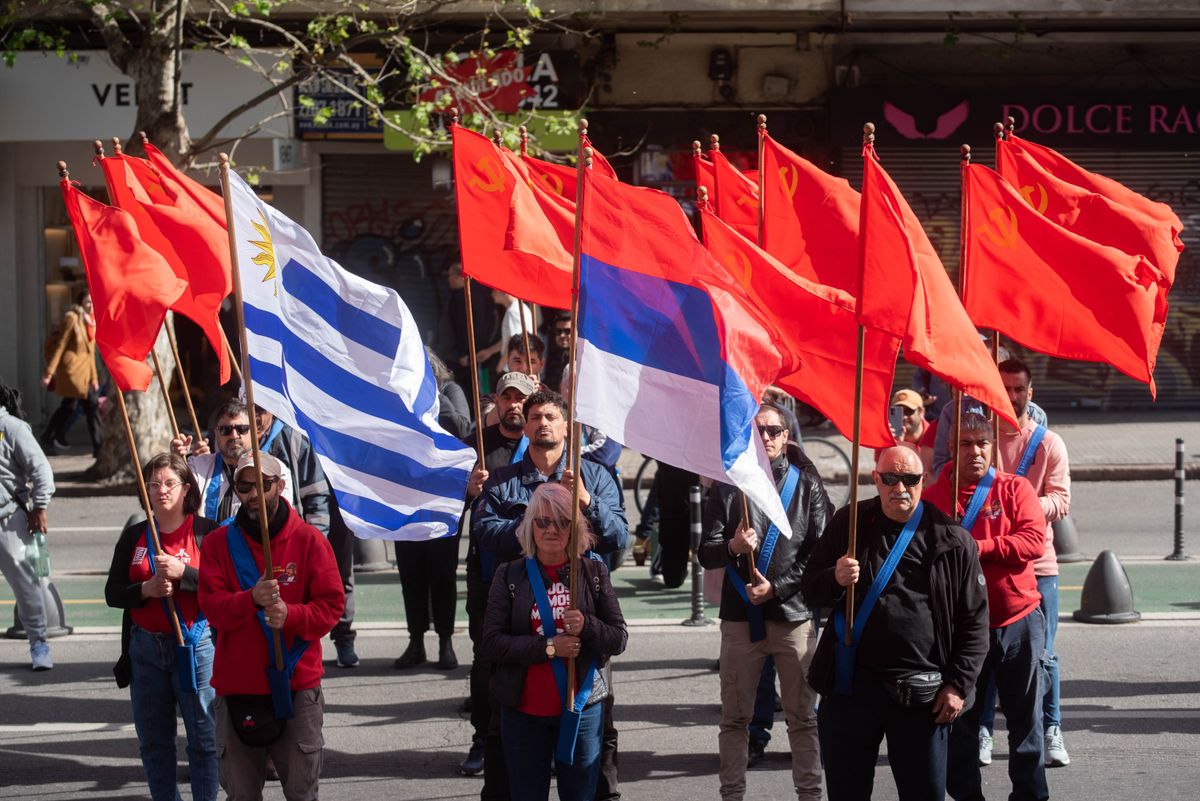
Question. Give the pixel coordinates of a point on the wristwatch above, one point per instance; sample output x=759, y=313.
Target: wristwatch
x=549, y=649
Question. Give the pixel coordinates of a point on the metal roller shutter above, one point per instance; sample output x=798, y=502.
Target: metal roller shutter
x=930, y=182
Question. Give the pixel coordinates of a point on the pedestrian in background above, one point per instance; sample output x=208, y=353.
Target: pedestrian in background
x=71, y=374
x=26, y=486
x=139, y=582
x=529, y=633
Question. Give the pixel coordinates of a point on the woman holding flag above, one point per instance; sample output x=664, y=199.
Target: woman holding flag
x=529, y=633
x=162, y=674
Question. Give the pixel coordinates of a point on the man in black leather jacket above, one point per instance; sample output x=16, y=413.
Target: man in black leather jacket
x=762, y=611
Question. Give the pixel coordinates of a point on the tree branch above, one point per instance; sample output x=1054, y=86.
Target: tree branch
x=199, y=145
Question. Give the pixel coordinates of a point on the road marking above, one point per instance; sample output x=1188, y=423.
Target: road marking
x=80, y=601
x=1071, y=587
x=63, y=728
x=82, y=529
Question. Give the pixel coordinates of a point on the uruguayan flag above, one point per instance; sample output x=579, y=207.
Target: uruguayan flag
x=340, y=358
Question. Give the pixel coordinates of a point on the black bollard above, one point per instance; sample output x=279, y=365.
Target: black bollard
x=1107, y=594
x=697, y=618
x=1179, y=554
x=56, y=616
x=1066, y=541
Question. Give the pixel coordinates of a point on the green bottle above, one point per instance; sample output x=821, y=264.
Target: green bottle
x=38, y=554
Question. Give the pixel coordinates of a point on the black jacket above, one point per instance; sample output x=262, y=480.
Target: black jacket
x=958, y=594
x=121, y=593
x=809, y=511
x=510, y=643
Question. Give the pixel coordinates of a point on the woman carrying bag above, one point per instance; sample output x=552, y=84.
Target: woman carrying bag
x=162, y=674
x=71, y=374
x=529, y=634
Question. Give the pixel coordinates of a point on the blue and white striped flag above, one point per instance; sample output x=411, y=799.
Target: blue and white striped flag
x=340, y=358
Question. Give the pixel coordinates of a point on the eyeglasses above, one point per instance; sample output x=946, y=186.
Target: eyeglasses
x=561, y=523
x=562, y=332
x=907, y=479
x=771, y=432
x=169, y=486
x=245, y=487
x=227, y=431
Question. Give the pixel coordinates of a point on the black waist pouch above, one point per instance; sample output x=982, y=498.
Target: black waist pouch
x=254, y=720
x=918, y=689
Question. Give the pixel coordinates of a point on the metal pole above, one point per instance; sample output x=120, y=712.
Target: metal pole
x=697, y=618
x=1179, y=554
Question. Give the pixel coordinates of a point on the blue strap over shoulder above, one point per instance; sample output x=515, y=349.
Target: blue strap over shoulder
x=977, y=498
x=1035, y=439
x=519, y=452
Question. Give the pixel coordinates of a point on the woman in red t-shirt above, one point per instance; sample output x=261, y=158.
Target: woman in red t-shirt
x=140, y=581
x=531, y=656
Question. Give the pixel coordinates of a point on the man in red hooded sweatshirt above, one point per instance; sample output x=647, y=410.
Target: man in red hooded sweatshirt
x=301, y=600
x=1002, y=513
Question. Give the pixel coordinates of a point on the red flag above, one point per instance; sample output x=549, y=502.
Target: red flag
x=736, y=197
x=132, y=286
x=1089, y=213
x=1052, y=290
x=487, y=187
x=817, y=325
x=810, y=218
x=195, y=247
x=905, y=290
x=211, y=202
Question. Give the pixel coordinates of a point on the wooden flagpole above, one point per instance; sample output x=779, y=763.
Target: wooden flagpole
x=187, y=395
x=998, y=131
x=233, y=360
x=248, y=385
x=162, y=385
x=474, y=360
x=965, y=161
x=762, y=143
x=852, y=544
x=575, y=431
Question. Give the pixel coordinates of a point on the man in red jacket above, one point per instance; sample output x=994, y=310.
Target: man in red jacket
x=302, y=600
x=1003, y=515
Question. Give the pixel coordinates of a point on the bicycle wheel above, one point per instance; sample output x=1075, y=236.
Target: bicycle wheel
x=640, y=492
x=833, y=465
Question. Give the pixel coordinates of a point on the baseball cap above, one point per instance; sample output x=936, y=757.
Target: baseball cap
x=909, y=398
x=271, y=467
x=517, y=380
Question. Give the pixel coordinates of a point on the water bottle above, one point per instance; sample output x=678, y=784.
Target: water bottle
x=38, y=555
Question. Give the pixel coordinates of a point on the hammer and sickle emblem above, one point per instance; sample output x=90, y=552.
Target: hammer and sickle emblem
x=1043, y=200
x=783, y=176
x=552, y=182
x=738, y=264
x=1007, y=237
x=488, y=166
x=747, y=200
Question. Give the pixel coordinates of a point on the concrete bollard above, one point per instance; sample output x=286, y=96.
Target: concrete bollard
x=56, y=617
x=1107, y=595
x=1066, y=541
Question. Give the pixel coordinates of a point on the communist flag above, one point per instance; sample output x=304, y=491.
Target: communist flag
x=171, y=222
x=208, y=200
x=905, y=291
x=818, y=327
x=810, y=218
x=132, y=286
x=1141, y=229
x=487, y=187
x=1052, y=290
x=736, y=197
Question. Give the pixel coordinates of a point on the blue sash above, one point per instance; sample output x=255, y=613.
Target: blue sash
x=280, y=681
x=212, y=493
x=977, y=498
x=185, y=654
x=519, y=453
x=845, y=655
x=568, y=726
x=754, y=614
x=276, y=427
x=1030, y=453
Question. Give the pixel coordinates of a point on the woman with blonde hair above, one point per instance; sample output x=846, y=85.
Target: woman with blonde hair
x=529, y=633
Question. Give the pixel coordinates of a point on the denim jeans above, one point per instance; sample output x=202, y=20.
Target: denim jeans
x=1051, y=715
x=1015, y=659
x=529, y=742
x=155, y=693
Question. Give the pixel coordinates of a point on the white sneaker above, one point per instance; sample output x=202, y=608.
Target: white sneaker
x=1056, y=751
x=39, y=655
x=985, y=746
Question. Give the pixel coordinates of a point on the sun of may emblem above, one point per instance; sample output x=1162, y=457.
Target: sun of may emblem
x=265, y=257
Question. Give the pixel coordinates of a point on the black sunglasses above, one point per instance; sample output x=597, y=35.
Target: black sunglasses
x=771, y=432
x=227, y=430
x=907, y=479
x=244, y=487
x=561, y=523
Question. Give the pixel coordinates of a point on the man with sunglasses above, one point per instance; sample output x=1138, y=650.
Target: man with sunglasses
x=1002, y=513
x=918, y=646
x=214, y=471
x=763, y=614
x=301, y=599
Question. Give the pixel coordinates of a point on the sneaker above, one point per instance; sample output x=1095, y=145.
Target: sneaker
x=346, y=658
x=755, y=754
x=1056, y=751
x=473, y=764
x=985, y=746
x=39, y=656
